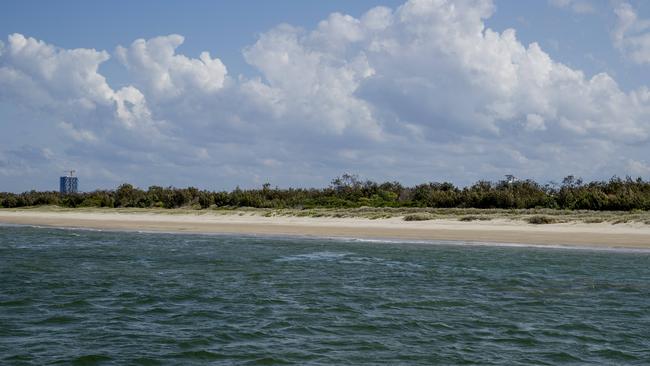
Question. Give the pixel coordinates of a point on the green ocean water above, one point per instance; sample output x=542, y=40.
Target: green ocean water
x=85, y=298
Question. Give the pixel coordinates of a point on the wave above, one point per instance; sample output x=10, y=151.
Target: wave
x=315, y=256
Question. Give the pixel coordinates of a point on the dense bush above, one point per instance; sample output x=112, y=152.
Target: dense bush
x=349, y=191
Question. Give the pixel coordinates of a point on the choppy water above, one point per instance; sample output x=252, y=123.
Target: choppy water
x=86, y=297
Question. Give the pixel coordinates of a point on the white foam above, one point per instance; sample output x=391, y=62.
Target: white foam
x=491, y=244
x=380, y=262
x=315, y=256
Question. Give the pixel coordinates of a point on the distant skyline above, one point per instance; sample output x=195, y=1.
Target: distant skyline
x=223, y=94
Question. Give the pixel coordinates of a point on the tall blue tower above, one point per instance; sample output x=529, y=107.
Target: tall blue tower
x=69, y=184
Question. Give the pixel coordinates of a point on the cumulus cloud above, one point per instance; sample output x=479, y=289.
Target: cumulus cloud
x=433, y=64
x=165, y=74
x=423, y=91
x=54, y=74
x=312, y=82
x=82, y=118
x=632, y=34
x=65, y=82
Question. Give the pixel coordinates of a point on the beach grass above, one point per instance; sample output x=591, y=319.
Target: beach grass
x=531, y=216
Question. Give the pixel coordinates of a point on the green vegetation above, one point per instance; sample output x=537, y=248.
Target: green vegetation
x=349, y=192
x=420, y=216
x=474, y=218
x=373, y=213
x=540, y=220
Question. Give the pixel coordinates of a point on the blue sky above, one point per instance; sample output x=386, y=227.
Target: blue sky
x=295, y=93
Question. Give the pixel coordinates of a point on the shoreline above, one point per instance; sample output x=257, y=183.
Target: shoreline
x=497, y=231
x=344, y=239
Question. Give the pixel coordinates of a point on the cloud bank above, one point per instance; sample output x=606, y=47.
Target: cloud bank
x=421, y=92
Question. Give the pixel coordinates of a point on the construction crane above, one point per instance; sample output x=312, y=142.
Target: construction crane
x=70, y=172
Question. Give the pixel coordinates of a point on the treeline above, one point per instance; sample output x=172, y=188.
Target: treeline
x=349, y=191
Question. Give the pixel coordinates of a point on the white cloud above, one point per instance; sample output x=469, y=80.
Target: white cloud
x=66, y=82
x=77, y=134
x=423, y=91
x=631, y=34
x=65, y=85
x=311, y=78
x=131, y=107
x=55, y=74
x=436, y=65
x=165, y=74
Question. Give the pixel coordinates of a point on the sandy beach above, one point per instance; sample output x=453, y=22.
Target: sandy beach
x=497, y=230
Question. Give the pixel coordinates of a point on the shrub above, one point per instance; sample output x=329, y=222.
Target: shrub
x=540, y=220
x=594, y=221
x=419, y=217
x=474, y=218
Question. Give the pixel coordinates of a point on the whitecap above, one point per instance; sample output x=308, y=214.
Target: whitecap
x=315, y=256
x=381, y=262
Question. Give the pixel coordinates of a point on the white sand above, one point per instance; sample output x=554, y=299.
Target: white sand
x=498, y=230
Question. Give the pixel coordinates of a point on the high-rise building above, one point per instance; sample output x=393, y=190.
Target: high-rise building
x=68, y=184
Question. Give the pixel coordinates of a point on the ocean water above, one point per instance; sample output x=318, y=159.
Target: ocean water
x=85, y=297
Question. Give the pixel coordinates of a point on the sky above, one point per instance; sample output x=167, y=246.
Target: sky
x=294, y=93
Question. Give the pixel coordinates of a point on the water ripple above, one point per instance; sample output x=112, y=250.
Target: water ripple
x=86, y=297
